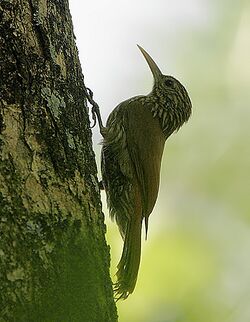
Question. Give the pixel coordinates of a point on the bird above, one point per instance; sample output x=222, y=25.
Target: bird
x=132, y=148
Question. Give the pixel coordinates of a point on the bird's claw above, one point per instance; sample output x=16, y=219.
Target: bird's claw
x=95, y=111
x=93, y=117
x=94, y=106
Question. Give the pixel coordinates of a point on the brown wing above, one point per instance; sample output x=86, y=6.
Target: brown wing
x=145, y=141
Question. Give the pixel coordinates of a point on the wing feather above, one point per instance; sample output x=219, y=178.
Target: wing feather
x=145, y=141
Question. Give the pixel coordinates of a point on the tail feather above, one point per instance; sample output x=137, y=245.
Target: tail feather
x=146, y=227
x=127, y=269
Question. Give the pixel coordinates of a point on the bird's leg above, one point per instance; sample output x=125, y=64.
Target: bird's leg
x=96, y=115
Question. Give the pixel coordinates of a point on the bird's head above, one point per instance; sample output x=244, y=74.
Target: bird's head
x=170, y=92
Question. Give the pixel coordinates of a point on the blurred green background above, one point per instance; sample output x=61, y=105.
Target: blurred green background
x=196, y=262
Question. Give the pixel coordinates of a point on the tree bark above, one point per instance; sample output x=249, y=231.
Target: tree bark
x=53, y=254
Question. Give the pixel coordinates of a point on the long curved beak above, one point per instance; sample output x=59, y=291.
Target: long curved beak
x=154, y=68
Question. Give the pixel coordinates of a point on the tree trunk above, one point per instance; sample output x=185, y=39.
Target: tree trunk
x=53, y=254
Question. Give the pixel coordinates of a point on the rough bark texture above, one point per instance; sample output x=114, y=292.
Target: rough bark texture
x=54, y=261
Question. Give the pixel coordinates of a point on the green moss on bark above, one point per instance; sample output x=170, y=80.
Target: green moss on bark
x=54, y=261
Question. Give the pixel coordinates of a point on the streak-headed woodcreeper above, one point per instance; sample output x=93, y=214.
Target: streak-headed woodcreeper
x=133, y=144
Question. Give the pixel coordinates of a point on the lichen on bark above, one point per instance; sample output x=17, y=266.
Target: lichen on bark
x=54, y=261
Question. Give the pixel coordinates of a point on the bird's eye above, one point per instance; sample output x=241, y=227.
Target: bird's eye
x=169, y=83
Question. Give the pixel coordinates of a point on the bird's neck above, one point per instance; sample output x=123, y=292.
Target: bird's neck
x=162, y=107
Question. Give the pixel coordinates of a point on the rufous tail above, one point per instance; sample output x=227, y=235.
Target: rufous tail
x=127, y=269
